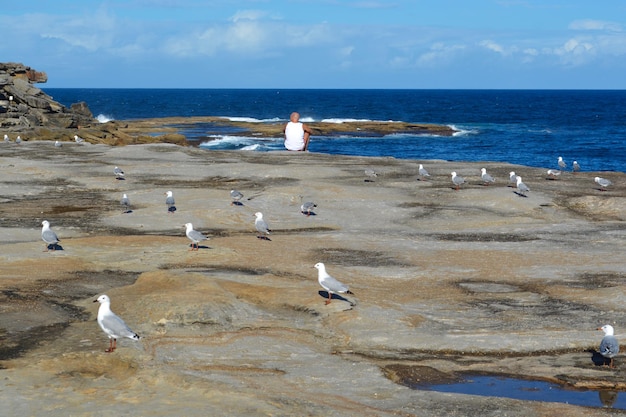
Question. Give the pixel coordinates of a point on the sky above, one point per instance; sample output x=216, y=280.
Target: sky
x=406, y=44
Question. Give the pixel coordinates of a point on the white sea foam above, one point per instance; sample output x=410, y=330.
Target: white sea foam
x=102, y=118
x=250, y=119
x=234, y=142
x=255, y=147
x=462, y=132
x=339, y=120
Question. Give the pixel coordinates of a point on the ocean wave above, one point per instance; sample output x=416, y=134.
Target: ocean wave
x=344, y=120
x=238, y=142
x=103, y=118
x=250, y=119
x=462, y=132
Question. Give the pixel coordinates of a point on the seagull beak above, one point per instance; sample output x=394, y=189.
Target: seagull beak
x=95, y=301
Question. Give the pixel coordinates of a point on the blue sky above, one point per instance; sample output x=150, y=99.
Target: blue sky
x=319, y=43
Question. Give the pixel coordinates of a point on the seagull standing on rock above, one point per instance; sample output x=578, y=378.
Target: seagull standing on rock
x=609, y=346
x=456, y=180
x=125, y=202
x=195, y=236
x=235, y=196
x=111, y=324
x=603, y=183
x=512, y=179
x=330, y=284
x=521, y=187
x=423, y=173
x=261, y=226
x=561, y=162
x=119, y=174
x=48, y=236
x=79, y=140
x=487, y=179
x=169, y=201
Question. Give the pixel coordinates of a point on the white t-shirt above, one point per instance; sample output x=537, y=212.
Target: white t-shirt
x=294, y=136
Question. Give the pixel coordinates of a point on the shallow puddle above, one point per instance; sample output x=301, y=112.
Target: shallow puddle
x=519, y=389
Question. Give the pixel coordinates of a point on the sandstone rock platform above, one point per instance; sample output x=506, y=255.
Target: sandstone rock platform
x=479, y=280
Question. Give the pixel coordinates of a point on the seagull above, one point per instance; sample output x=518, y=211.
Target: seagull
x=330, y=284
x=169, y=200
x=456, y=180
x=486, y=177
x=57, y=144
x=512, y=178
x=195, y=236
x=603, y=183
x=261, y=226
x=553, y=173
x=18, y=139
x=370, y=174
x=575, y=167
x=422, y=172
x=49, y=236
x=6, y=138
x=561, y=162
x=111, y=324
x=125, y=202
x=307, y=207
x=119, y=174
x=609, y=346
x=522, y=188
x=235, y=196
x=78, y=139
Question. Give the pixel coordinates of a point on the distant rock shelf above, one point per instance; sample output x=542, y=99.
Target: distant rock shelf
x=27, y=110
x=357, y=128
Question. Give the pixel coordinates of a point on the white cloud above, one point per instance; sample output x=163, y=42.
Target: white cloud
x=492, y=46
x=439, y=54
x=599, y=25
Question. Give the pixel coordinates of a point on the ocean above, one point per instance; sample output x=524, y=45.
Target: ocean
x=526, y=127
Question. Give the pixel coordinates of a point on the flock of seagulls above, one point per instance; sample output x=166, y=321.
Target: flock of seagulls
x=114, y=327
x=514, y=179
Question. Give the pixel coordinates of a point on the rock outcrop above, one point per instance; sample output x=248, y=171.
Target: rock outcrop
x=24, y=106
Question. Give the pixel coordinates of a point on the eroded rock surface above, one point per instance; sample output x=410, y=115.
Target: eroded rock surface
x=476, y=280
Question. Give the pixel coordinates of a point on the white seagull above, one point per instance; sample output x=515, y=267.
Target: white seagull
x=456, y=180
x=553, y=173
x=487, y=179
x=78, y=139
x=512, y=178
x=6, y=138
x=521, y=187
x=111, y=324
x=603, y=183
x=169, y=201
x=193, y=235
x=125, y=202
x=609, y=346
x=575, y=166
x=48, y=236
x=330, y=284
x=57, y=144
x=119, y=174
x=235, y=196
x=261, y=226
x=18, y=139
x=561, y=162
x=422, y=172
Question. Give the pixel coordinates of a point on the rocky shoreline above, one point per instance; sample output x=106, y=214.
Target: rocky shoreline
x=480, y=280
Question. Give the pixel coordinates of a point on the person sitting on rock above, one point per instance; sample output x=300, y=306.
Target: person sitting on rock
x=297, y=134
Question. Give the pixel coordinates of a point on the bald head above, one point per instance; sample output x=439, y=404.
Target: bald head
x=295, y=116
